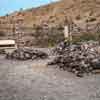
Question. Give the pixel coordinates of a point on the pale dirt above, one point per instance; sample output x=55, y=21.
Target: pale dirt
x=33, y=80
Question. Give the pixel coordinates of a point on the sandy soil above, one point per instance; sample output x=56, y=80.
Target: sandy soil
x=33, y=80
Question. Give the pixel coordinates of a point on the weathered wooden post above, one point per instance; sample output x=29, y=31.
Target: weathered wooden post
x=67, y=31
x=13, y=30
x=19, y=22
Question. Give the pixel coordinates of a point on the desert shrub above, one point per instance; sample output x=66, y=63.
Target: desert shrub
x=51, y=43
x=91, y=20
x=2, y=34
x=87, y=37
x=78, y=17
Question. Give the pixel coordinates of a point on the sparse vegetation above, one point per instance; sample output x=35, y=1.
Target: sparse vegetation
x=55, y=15
x=78, y=17
x=2, y=34
x=87, y=37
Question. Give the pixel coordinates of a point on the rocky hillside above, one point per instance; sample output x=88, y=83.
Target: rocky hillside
x=55, y=13
x=49, y=20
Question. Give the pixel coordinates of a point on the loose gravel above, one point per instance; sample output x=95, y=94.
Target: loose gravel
x=34, y=80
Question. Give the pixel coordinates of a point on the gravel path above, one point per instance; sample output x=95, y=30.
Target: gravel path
x=33, y=80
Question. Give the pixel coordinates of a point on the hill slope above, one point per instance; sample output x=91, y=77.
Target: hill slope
x=58, y=11
x=54, y=15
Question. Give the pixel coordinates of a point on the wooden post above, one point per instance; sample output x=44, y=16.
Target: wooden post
x=70, y=29
x=67, y=30
x=13, y=30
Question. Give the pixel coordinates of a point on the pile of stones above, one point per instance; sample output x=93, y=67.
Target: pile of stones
x=2, y=51
x=26, y=54
x=81, y=58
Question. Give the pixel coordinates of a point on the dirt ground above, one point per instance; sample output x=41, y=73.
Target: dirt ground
x=33, y=80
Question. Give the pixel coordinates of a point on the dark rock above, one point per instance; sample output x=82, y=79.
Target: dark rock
x=78, y=58
x=25, y=54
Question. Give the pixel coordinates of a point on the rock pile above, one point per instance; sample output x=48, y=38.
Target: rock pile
x=2, y=51
x=80, y=58
x=25, y=54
